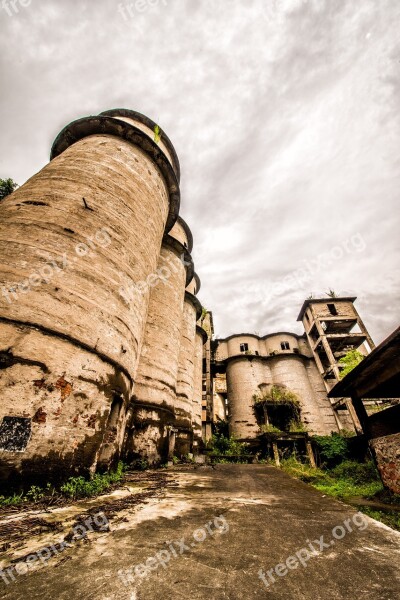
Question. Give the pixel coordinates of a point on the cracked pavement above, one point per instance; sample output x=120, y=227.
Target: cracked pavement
x=208, y=534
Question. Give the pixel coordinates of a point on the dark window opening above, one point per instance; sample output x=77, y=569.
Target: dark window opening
x=285, y=345
x=279, y=417
x=282, y=417
x=15, y=433
x=244, y=347
x=256, y=353
x=332, y=309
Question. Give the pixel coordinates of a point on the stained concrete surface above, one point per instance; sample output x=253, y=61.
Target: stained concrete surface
x=264, y=517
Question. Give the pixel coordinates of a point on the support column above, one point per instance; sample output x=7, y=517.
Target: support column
x=310, y=454
x=276, y=453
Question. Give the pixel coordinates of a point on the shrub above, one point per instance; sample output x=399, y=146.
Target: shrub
x=227, y=446
x=350, y=361
x=269, y=429
x=139, y=465
x=297, y=426
x=7, y=186
x=277, y=394
x=332, y=449
x=356, y=472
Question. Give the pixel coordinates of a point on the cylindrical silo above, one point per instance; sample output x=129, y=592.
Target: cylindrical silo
x=244, y=375
x=75, y=241
x=201, y=338
x=186, y=370
x=291, y=371
x=153, y=407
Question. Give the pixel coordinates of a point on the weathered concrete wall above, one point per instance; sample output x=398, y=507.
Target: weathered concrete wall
x=291, y=371
x=221, y=351
x=273, y=343
x=193, y=286
x=343, y=308
x=146, y=125
x=387, y=455
x=292, y=367
x=304, y=347
x=117, y=238
x=235, y=342
x=56, y=399
x=156, y=376
x=185, y=379
x=264, y=346
x=219, y=407
x=243, y=377
x=198, y=386
x=182, y=234
x=72, y=239
x=326, y=423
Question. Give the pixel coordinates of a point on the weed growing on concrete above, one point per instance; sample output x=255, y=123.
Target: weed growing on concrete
x=79, y=487
x=73, y=488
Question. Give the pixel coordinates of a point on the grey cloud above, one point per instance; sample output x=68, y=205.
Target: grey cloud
x=283, y=113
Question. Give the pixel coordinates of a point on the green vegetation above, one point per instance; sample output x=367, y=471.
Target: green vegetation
x=139, y=465
x=73, y=488
x=269, y=429
x=79, y=487
x=296, y=426
x=392, y=519
x=227, y=446
x=349, y=481
x=351, y=360
x=293, y=427
x=226, y=449
x=278, y=410
x=157, y=134
x=7, y=186
x=277, y=394
x=331, y=449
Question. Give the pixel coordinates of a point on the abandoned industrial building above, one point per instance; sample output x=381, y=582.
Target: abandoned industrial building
x=106, y=351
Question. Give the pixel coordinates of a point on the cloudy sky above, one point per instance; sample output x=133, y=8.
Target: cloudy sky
x=285, y=117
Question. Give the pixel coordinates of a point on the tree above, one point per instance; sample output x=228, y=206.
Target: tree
x=331, y=293
x=7, y=186
x=350, y=360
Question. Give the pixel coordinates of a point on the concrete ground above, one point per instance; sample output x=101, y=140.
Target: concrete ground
x=208, y=535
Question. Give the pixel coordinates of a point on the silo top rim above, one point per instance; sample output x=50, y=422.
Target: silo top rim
x=137, y=116
x=186, y=229
x=258, y=337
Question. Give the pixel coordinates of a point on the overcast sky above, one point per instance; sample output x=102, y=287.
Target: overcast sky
x=285, y=117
